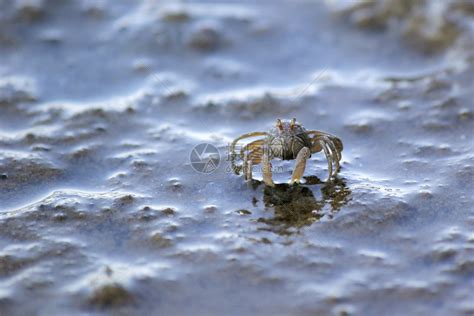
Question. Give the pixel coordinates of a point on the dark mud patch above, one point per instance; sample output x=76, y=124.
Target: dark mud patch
x=111, y=295
x=102, y=212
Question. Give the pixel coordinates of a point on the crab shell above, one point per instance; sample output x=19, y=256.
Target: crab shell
x=286, y=140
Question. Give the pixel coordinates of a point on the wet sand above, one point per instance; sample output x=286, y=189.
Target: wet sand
x=101, y=211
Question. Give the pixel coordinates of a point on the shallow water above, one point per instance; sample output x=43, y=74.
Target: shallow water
x=101, y=211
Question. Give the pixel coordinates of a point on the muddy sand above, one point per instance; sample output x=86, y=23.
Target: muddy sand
x=101, y=211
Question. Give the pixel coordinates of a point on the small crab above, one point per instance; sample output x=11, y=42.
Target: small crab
x=288, y=140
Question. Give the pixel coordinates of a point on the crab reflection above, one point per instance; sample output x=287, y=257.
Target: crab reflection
x=296, y=206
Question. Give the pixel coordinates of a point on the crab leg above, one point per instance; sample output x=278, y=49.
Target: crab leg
x=232, y=148
x=255, y=155
x=337, y=147
x=333, y=149
x=300, y=165
x=328, y=158
x=249, y=170
x=315, y=141
x=319, y=133
x=253, y=146
x=267, y=170
x=316, y=147
x=337, y=142
x=250, y=159
x=245, y=165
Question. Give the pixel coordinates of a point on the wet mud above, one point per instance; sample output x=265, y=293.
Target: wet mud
x=101, y=211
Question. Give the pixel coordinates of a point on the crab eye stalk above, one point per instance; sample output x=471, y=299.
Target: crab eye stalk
x=279, y=124
x=292, y=123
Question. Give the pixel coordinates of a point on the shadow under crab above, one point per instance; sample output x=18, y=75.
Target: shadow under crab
x=296, y=206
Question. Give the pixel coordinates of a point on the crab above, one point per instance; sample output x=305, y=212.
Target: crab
x=287, y=140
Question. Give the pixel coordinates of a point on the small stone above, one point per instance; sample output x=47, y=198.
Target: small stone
x=111, y=295
x=161, y=242
x=142, y=65
x=243, y=212
x=465, y=115
x=405, y=105
x=175, y=185
x=60, y=217
x=176, y=16
x=168, y=211
x=210, y=208
x=52, y=36
x=30, y=10
x=204, y=37
x=127, y=199
x=425, y=194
